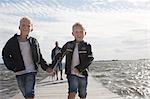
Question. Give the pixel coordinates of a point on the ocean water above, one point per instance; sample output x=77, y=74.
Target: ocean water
x=128, y=78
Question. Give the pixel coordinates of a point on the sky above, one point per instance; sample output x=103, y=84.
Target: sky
x=116, y=29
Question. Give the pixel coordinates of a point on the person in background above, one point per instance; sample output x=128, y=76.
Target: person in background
x=78, y=58
x=21, y=54
x=54, y=52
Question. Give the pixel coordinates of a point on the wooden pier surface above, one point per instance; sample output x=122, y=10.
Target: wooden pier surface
x=48, y=89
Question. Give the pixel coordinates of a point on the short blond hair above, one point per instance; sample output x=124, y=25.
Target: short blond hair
x=25, y=18
x=77, y=25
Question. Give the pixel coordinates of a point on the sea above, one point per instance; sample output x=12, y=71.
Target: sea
x=128, y=78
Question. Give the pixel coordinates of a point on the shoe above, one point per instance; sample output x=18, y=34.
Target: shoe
x=61, y=79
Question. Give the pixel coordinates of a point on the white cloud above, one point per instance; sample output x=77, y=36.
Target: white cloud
x=107, y=31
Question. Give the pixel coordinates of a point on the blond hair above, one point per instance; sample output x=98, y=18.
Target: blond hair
x=25, y=18
x=77, y=25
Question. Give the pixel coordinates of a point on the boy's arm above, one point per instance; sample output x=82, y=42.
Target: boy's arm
x=41, y=60
x=43, y=63
x=7, y=57
x=88, y=61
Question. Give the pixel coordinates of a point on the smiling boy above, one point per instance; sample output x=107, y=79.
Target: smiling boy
x=78, y=58
x=22, y=55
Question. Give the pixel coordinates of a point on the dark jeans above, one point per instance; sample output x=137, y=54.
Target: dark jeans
x=26, y=83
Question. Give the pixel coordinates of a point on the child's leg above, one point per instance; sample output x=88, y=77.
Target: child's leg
x=61, y=75
x=21, y=83
x=72, y=86
x=56, y=74
x=71, y=95
x=29, y=85
x=82, y=88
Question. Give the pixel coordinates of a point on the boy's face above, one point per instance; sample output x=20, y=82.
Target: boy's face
x=78, y=33
x=25, y=27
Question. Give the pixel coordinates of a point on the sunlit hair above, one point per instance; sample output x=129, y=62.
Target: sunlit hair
x=26, y=19
x=77, y=25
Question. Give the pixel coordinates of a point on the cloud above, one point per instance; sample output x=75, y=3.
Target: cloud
x=113, y=27
x=140, y=43
x=135, y=39
x=49, y=7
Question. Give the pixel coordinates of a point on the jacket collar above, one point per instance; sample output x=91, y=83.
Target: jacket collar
x=16, y=36
x=79, y=45
x=79, y=42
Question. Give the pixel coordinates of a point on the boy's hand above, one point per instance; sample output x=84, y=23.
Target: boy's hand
x=76, y=71
x=50, y=71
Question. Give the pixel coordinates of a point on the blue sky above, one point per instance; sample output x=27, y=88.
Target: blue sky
x=117, y=29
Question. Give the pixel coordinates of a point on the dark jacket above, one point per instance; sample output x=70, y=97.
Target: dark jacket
x=12, y=56
x=85, y=56
x=53, y=54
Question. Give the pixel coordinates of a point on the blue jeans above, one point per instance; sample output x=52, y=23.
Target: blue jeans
x=77, y=84
x=26, y=83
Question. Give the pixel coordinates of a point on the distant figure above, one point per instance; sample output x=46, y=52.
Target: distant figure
x=78, y=58
x=22, y=55
x=55, y=51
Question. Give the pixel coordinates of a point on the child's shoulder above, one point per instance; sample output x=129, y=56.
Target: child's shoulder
x=32, y=38
x=70, y=41
x=13, y=38
x=87, y=43
x=70, y=44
